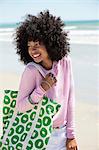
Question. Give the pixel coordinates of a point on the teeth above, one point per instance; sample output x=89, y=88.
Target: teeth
x=36, y=55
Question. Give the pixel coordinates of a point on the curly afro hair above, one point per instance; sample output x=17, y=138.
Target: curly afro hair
x=44, y=28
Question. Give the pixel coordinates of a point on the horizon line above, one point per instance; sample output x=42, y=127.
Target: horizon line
x=62, y=19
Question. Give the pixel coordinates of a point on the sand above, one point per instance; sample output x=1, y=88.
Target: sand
x=86, y=119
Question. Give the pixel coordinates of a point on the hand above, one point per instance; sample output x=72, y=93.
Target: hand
x=48, y=81
x=71, y=144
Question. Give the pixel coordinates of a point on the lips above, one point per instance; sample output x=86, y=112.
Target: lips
x=36, y=55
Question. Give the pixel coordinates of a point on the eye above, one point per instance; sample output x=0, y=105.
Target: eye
x=37, y=44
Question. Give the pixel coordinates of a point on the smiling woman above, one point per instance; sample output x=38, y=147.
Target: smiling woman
x=41, y=41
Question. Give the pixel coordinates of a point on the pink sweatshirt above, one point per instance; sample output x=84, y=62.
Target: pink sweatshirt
x=62, y=92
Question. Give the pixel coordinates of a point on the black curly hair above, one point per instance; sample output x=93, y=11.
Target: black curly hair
x=44, y=28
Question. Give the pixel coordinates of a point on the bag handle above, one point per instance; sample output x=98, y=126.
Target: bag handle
x=33, y=126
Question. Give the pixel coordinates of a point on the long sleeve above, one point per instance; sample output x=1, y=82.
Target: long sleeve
x=71, y=107
x=27, y=88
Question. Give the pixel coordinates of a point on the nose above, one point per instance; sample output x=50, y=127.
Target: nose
x=34, y=49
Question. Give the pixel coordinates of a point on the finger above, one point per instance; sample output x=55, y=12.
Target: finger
x=71, y=148
x=52, y=77
x=76, y=148
x=48, y=75
x=51, y=74
x=55, y=79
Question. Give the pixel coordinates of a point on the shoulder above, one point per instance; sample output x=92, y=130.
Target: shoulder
x=30, y=68
x=66, y=60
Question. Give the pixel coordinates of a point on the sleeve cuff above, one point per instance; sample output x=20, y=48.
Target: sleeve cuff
x=70, y=134
x=37, y=94
x=42, y=90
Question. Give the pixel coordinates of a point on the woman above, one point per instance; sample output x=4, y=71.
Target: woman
x=41, y=39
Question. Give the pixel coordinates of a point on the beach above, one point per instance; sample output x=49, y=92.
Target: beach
x=85, y=61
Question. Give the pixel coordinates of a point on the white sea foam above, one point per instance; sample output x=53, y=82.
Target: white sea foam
x=76, y=36
x=6, y=34
x=5, y=30
x=84, y=36
x=70, y=27
x=84, y=32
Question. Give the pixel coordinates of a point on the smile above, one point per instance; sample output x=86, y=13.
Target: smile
x=36, y=55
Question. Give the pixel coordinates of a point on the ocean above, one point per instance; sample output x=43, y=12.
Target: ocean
x=85, y=56
x=78, y=25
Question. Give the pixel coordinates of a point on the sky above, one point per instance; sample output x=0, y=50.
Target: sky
x=15, y=10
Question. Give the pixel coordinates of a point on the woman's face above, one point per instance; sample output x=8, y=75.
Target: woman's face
x=37, y=51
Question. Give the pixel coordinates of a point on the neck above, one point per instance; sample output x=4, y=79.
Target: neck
x=47, y=64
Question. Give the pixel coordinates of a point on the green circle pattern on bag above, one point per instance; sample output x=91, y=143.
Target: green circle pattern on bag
x=20, y=128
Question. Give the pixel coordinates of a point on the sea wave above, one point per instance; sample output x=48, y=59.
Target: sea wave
x=6, y=30
x=70, y=27
x=76, y=36
x=3, y=30
x=84, y=32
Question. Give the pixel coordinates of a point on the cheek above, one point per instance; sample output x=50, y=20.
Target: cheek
x=29, y=51
x=44, y=52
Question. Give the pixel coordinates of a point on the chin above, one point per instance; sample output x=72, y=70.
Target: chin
x=38, y=61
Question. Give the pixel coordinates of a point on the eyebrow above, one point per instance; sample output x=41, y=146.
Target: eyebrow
x=36, y=43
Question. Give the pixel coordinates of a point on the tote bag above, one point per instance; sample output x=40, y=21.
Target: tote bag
x=30, y=130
